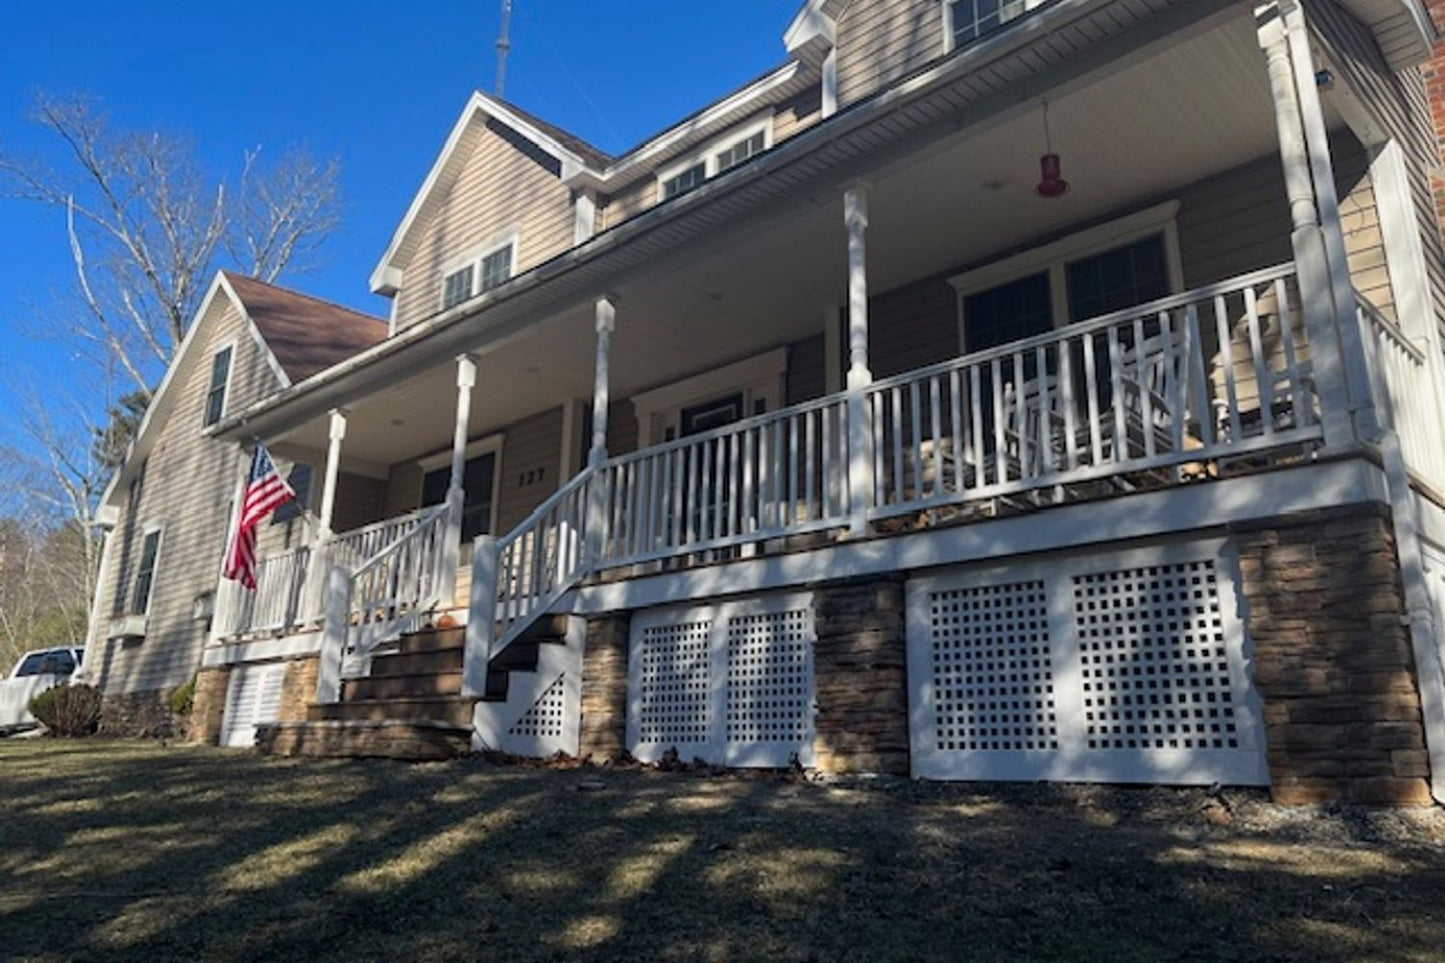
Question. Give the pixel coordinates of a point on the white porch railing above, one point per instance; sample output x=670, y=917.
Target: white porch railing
x=282, y=601
x=1400, y=375
x=777, y=474
x=1222, y=370
x=390, y=594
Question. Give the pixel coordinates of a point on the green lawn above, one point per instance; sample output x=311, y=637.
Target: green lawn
x=139, y=852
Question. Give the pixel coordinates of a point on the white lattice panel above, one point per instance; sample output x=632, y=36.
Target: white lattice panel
x=253, y=698
x=675, y=697
x=1116, y=667
x=1153, y=659
x=769, y=705
x=993, y=678
x=731, y=683
x=546, y=718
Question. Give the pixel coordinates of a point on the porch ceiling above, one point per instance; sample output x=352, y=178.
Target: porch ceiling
x=1137, y=135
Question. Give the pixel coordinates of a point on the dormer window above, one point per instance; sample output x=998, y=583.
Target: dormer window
x=489, y=268
x=972, y=20
x=219, y=385
x=725, y=153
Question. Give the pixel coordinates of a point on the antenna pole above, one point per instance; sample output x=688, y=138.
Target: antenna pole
x=504, y=46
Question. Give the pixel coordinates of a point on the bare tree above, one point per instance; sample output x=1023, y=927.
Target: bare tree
x=147, y=229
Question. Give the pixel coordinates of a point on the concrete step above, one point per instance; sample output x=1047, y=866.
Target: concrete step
x=449, y=710
x=409, y=739
x=402, y=686
x=418, y=663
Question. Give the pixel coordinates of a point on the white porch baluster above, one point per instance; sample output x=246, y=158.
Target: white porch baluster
x=860, y=436
x=1308, y=239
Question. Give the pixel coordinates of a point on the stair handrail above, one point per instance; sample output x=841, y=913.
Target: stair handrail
x=409, y=575
x=519, y=577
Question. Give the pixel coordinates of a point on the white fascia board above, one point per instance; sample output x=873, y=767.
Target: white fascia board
x=814, y=21
x=143, y=441
x=639, y=162
x=386, y=278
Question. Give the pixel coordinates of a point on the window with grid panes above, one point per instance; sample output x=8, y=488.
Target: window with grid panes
x=146, y=573
x=497, y=268
x=743, y=150
x=974, y=19
x=685, y=181
x=457, y=287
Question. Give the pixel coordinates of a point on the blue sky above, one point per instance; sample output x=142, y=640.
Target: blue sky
x=376, y=84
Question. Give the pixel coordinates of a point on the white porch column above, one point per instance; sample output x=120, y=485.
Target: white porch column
x=456, y=494
x=606, y=323
x=1317, y=141
x=860, y=376
x=601, y=384
x=333, y=472
x=1317, y=292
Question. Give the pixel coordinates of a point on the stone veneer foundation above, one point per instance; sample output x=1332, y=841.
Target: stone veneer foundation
x=1332, y=660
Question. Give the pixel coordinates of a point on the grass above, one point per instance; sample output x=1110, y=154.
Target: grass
x=133, y=851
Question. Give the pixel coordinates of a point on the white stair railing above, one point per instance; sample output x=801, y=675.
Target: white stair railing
x=1400, y=375
x=391, y=593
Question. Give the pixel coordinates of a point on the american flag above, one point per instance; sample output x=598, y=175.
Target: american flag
x=265, y=491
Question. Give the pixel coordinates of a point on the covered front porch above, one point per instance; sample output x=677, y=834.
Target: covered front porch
x=927, y=344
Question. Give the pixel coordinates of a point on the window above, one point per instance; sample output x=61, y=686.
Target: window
x=299, y=478
x=145, y=574
x=1009, y=312
x=497, y=268
x=713, y=414
x=478, y=478
x=723, y=154
x=1118, y=279
x=743, y=150
x=974, y=19
x=684, y=182
x=220, y=380
x=489, y=266
x=54, y=662
x=1097, y=271
x=457, y=287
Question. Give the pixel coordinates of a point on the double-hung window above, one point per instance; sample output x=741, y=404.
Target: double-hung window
x=720, y=156
x=145, y=575
x=489, y=268
x=219, y=385
x=972, y=20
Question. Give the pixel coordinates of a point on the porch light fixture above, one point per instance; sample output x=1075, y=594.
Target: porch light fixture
x=1051, y=183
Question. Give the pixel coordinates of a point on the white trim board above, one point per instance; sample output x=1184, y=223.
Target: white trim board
x=1198, y=507
x=258, y=650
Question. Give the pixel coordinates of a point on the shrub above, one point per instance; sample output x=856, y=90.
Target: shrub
x=68, y=710
x=182, y=698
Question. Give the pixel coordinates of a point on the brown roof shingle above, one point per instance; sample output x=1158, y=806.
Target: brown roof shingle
x=305, y=334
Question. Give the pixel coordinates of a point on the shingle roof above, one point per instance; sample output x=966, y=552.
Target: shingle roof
x=305, y=334
x=594, y=156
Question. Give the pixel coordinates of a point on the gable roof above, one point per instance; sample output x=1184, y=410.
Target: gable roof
x=305, y=334
x=298, y=336
x=573, y=153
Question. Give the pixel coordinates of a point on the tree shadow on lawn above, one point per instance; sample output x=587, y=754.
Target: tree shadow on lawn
x=130, y=851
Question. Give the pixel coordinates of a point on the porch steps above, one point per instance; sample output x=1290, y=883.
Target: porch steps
x=410, y=706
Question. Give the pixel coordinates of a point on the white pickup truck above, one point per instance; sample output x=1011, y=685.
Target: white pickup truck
x=35, y=672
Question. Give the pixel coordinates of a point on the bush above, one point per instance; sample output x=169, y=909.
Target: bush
x=183, y=698
x=68, y=710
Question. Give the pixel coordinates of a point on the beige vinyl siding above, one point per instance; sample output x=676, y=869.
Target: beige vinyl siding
x=403, y=489
x=884, y=40
x=360, y=501
x=798, y=114
x=531, y=460
x=623, y=431
x=1400, y=102
x=188, y=486
x=627, y=203
x=505, y=184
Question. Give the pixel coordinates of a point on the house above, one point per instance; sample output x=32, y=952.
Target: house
x=994, y=390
